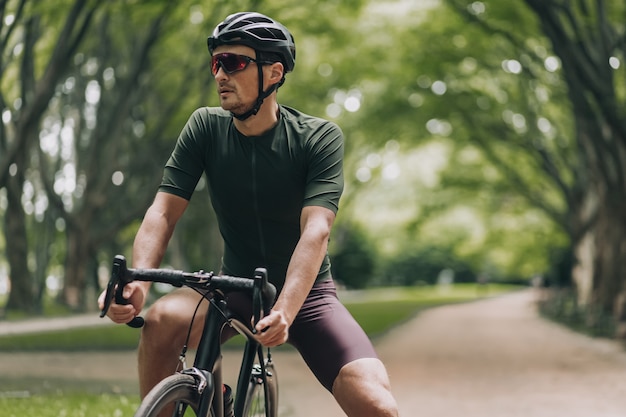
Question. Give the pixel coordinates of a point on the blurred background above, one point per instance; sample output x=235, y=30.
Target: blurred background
x=485, y=142
x=483, y=138
x=485, y=150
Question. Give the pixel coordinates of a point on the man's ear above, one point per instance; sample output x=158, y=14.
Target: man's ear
x=277, y=71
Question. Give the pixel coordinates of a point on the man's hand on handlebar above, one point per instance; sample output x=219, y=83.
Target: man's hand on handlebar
x=273, y=329
x=135, y=293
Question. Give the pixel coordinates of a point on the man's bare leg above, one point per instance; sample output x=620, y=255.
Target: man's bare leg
x=164, y=333
x=362, y=389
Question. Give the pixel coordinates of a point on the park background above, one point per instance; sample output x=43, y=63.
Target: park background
x=484, y=139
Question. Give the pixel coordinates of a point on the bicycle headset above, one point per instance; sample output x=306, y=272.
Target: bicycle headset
x=271, y=41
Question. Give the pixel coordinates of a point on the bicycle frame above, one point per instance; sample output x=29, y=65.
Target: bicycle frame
x=209, y=355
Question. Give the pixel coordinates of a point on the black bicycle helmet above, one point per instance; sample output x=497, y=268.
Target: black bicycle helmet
x=271, y=41
x=257, y=31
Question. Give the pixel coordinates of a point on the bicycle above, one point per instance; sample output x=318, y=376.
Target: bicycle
x=199, y=390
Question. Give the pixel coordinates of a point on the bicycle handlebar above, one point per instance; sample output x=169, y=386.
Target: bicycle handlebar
x=263, y=292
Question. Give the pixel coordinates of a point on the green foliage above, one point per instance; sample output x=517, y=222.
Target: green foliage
x=561, y=306
x=424, y=266
x=441, y=108
x=353, y=256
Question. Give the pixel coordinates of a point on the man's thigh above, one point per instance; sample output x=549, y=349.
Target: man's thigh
x=178, y=311
x=327, y=336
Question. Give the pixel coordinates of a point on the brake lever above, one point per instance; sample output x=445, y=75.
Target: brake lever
x=118, y=262
x=260, y=280
x=115, y=289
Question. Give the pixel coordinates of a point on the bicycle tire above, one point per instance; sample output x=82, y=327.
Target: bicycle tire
x=262, y=395
x=177, y=390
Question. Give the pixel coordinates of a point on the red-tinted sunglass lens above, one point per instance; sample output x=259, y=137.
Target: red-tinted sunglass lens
x=229, y=62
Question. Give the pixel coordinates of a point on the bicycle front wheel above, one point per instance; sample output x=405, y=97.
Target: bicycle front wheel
x=262, y=395
x=176, y=396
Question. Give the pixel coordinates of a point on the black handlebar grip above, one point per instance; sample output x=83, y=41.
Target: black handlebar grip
x=136, y=322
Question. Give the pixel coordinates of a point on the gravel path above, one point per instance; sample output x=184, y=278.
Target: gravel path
x=493, y=357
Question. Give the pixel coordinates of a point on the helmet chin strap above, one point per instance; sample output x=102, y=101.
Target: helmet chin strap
x=262, y=96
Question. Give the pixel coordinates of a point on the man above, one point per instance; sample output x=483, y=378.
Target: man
x=275, y=178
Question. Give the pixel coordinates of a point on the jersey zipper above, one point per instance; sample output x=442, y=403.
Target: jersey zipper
x=255, y=201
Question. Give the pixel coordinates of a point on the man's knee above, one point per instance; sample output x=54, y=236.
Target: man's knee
x=167, y=321
x=362, y=388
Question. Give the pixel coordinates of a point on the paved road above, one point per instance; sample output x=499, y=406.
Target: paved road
x=498, y=358
x=494, y=357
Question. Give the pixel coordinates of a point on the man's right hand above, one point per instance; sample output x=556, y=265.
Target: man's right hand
x=135, y=293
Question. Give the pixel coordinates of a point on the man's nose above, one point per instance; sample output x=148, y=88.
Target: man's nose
x=221, y=73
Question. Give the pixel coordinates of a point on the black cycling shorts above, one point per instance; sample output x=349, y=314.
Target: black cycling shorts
x=324, y=332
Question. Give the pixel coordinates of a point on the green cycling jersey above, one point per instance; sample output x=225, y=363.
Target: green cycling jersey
x=259, y=185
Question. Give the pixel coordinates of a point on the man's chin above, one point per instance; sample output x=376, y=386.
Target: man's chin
x=236, y=110
x=229, y=106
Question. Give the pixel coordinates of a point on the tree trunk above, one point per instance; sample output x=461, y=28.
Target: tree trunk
x=599, y=240
x=21, y=295
x=76, y=269
x=610, y=247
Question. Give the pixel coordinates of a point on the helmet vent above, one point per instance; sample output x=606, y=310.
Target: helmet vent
x=268, y=33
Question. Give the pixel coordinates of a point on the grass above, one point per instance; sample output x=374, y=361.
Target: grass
x=20, y=404
x=81, y=339
x=377, y=310
x=73, y=340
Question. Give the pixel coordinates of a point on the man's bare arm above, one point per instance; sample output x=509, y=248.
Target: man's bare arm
x=149, y=248
x=316, y=224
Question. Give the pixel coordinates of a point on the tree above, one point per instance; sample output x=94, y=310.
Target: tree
x=587, y=167
x=526, y=100
x=432, y=91
x=19, y=130
x=81, y=144
x=588, y=37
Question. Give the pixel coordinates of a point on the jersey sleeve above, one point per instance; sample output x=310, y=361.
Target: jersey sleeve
x=325, y=173
x=186, y=164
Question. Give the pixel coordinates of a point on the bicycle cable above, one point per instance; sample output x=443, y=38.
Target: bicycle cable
x=183, y=354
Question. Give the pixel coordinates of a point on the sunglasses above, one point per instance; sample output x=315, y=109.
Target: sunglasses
x=230, y=62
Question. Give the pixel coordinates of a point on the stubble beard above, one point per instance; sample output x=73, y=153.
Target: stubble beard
x=236, y=107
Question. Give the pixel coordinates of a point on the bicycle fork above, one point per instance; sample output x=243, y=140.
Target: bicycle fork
x=245, y=373
x=208, y=357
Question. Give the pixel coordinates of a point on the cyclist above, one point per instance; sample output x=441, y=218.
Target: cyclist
x=275, y=179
